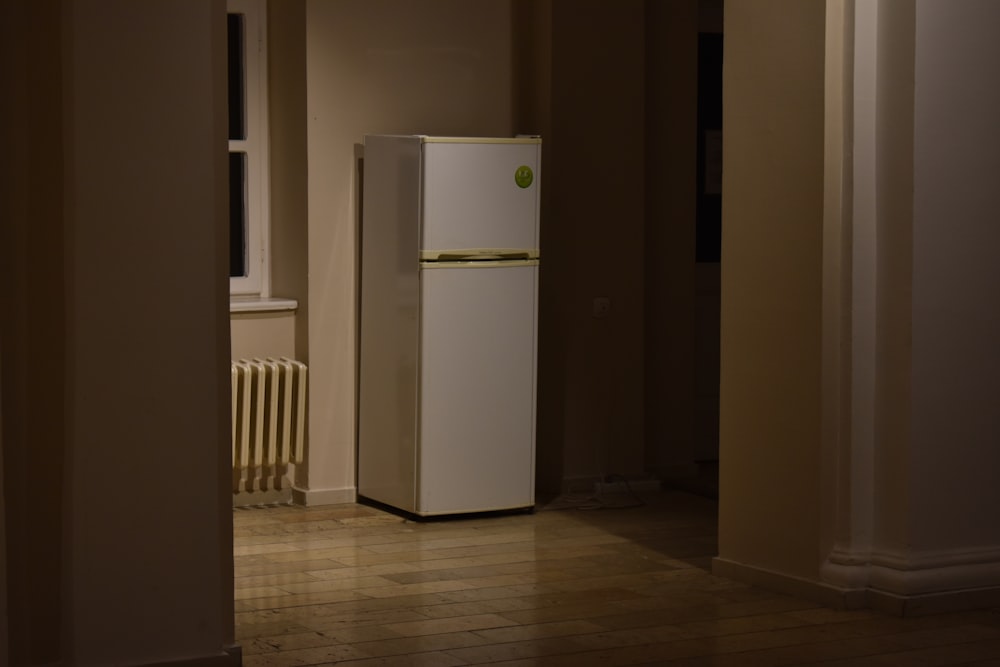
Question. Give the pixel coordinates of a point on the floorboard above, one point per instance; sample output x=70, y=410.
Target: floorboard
x=611, y=581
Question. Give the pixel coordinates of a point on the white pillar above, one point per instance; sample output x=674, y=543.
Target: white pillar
x=917, y=520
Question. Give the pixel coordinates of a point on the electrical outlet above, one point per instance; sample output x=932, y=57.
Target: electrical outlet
x=601, y=307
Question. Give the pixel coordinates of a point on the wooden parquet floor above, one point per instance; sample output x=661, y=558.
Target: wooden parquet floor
x=354, y=586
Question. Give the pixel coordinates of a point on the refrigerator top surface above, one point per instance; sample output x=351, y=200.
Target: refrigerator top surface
x=431, y=139
x=479, y=140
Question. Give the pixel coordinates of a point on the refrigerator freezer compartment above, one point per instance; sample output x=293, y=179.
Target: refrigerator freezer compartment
x=471, y=198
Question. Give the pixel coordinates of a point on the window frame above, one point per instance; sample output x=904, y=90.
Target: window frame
x=255, y=146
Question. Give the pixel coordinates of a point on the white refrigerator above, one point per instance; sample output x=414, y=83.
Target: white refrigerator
x=448, y=323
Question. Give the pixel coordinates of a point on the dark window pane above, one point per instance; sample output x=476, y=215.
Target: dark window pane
x=708, y=230
x=237, y=78
x=237, y=215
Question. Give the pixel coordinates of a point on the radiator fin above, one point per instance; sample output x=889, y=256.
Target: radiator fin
x=269, y=417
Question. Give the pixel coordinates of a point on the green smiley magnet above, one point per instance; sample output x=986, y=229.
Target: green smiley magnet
x=523, y=176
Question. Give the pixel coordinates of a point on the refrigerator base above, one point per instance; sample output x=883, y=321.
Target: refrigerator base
x=450, y=516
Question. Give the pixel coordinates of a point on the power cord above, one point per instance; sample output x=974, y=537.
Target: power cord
x=600, y=499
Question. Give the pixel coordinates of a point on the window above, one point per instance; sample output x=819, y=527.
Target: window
x=248, y=191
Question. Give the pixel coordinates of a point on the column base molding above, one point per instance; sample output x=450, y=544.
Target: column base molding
x=934, y=603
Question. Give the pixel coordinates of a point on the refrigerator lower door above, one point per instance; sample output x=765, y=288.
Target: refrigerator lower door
x=476, y=444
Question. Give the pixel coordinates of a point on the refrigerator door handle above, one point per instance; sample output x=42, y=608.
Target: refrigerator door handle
x=484, y=254
x=479, y=264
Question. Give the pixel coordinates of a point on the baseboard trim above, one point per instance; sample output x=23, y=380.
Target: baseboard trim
x=229, y=657
x=934, y=603
x=235, y=653
x=860, y=597
x=678, y=470
x=819, y=592
x=268, y=497
x=610, y=484
x=314, y=497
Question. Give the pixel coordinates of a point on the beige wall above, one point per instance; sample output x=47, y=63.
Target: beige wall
x=449, y=68
x=769, y=508
x=283, y=333
x=286, y=34
x=671, y=278
x=4, y=617
x=378, y=67
x=134, y=317
x=532, y=32
x=262, y=335
x=32, y=261
x=118, y=523
x=592, y=237
x=452, y=68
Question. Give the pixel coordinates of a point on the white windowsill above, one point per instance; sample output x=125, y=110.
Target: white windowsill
x=256, y=304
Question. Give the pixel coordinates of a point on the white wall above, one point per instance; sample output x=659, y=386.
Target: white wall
x=893, y=275
x=956, y=279
x=935, y=504
x=441, y=67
